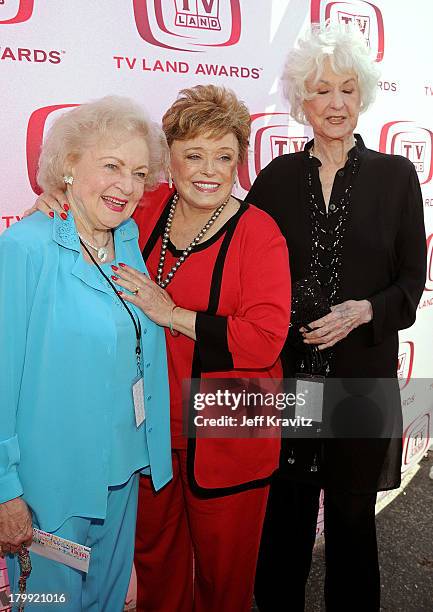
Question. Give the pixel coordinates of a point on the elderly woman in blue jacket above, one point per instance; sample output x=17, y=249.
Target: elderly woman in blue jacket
x=83, y=386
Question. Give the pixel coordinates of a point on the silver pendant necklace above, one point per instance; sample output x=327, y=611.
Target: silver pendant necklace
x=101, y=252
x=166, y=236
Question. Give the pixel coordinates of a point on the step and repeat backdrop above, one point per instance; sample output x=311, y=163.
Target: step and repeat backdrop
x=55, y=54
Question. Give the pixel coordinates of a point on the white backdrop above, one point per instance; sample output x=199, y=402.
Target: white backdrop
x=55, y=53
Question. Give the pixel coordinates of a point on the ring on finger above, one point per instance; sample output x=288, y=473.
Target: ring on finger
x=135, y=291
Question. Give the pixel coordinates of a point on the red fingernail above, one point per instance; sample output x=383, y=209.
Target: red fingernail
x=119, y=293
x=64, y=216
x=51, y=214
x=115, y=278
x=115, y=268
x=123, y=265
x=66, y=206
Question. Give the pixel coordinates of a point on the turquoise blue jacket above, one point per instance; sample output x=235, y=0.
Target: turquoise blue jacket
x=57, y=372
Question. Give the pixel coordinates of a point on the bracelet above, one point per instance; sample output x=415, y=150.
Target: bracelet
x=173, y=332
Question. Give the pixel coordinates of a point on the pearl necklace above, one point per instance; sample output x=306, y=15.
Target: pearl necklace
x=165, y=238
x=101, y=252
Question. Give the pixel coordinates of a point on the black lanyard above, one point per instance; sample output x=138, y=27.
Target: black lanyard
x=137, y=324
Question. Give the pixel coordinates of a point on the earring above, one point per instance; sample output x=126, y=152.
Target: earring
x=236, y=179
x=68, y=179
x=170, y=180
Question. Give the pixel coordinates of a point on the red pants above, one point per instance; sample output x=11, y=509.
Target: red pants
x=195, y=554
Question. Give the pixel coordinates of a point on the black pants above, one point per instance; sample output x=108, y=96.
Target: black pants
x=352, y=579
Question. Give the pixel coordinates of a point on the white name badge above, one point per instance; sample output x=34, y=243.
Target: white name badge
x=311, y=389
x=138, y=398
x=58, y=549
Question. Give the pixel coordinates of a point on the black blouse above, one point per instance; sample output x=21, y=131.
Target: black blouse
x=328, y=227
x=384, y=255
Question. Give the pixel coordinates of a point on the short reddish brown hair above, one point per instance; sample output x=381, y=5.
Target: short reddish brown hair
x=208, y=110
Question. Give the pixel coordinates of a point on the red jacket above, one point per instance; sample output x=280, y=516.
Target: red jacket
x=240, y=289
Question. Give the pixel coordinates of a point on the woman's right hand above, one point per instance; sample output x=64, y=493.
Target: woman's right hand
x=15, y=526
x=50, y=203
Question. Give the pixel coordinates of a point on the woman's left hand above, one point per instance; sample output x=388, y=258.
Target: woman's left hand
x=336, y=325
x=153, y=301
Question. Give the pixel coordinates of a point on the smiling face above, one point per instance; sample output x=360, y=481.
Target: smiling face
x=109, y=181
x=203, y=169
x=333, y=111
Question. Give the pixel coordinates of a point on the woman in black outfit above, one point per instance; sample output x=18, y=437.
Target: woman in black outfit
x=353, y=220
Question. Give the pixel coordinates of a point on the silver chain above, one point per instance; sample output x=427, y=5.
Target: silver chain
x=101, y=252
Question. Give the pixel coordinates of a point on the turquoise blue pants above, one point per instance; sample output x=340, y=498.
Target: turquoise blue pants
x=105, y=586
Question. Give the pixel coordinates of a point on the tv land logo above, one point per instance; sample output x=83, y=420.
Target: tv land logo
x=15, y=11
x=188, y=25
x=365, y=15
x=272, y=134
x=416, y=439
x=39, y=122
x=406, y=355
x=412, y=141
x=202, y=14
x=287, y=144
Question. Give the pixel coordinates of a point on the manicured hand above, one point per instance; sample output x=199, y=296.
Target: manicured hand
x=336, y=325
x=49, y=204
x=153, y=301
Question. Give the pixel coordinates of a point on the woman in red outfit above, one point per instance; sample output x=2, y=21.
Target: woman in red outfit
x=197, y=541
x=221, y=287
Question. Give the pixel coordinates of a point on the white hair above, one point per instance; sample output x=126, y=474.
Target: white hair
x=112, y=117
x=346, y=49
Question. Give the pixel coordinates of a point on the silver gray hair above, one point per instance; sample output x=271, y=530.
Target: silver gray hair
x=347, y=50
x=113, y=118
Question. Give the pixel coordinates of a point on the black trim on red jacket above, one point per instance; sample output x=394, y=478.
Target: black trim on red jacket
x=214, y=363
x=212, y=343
